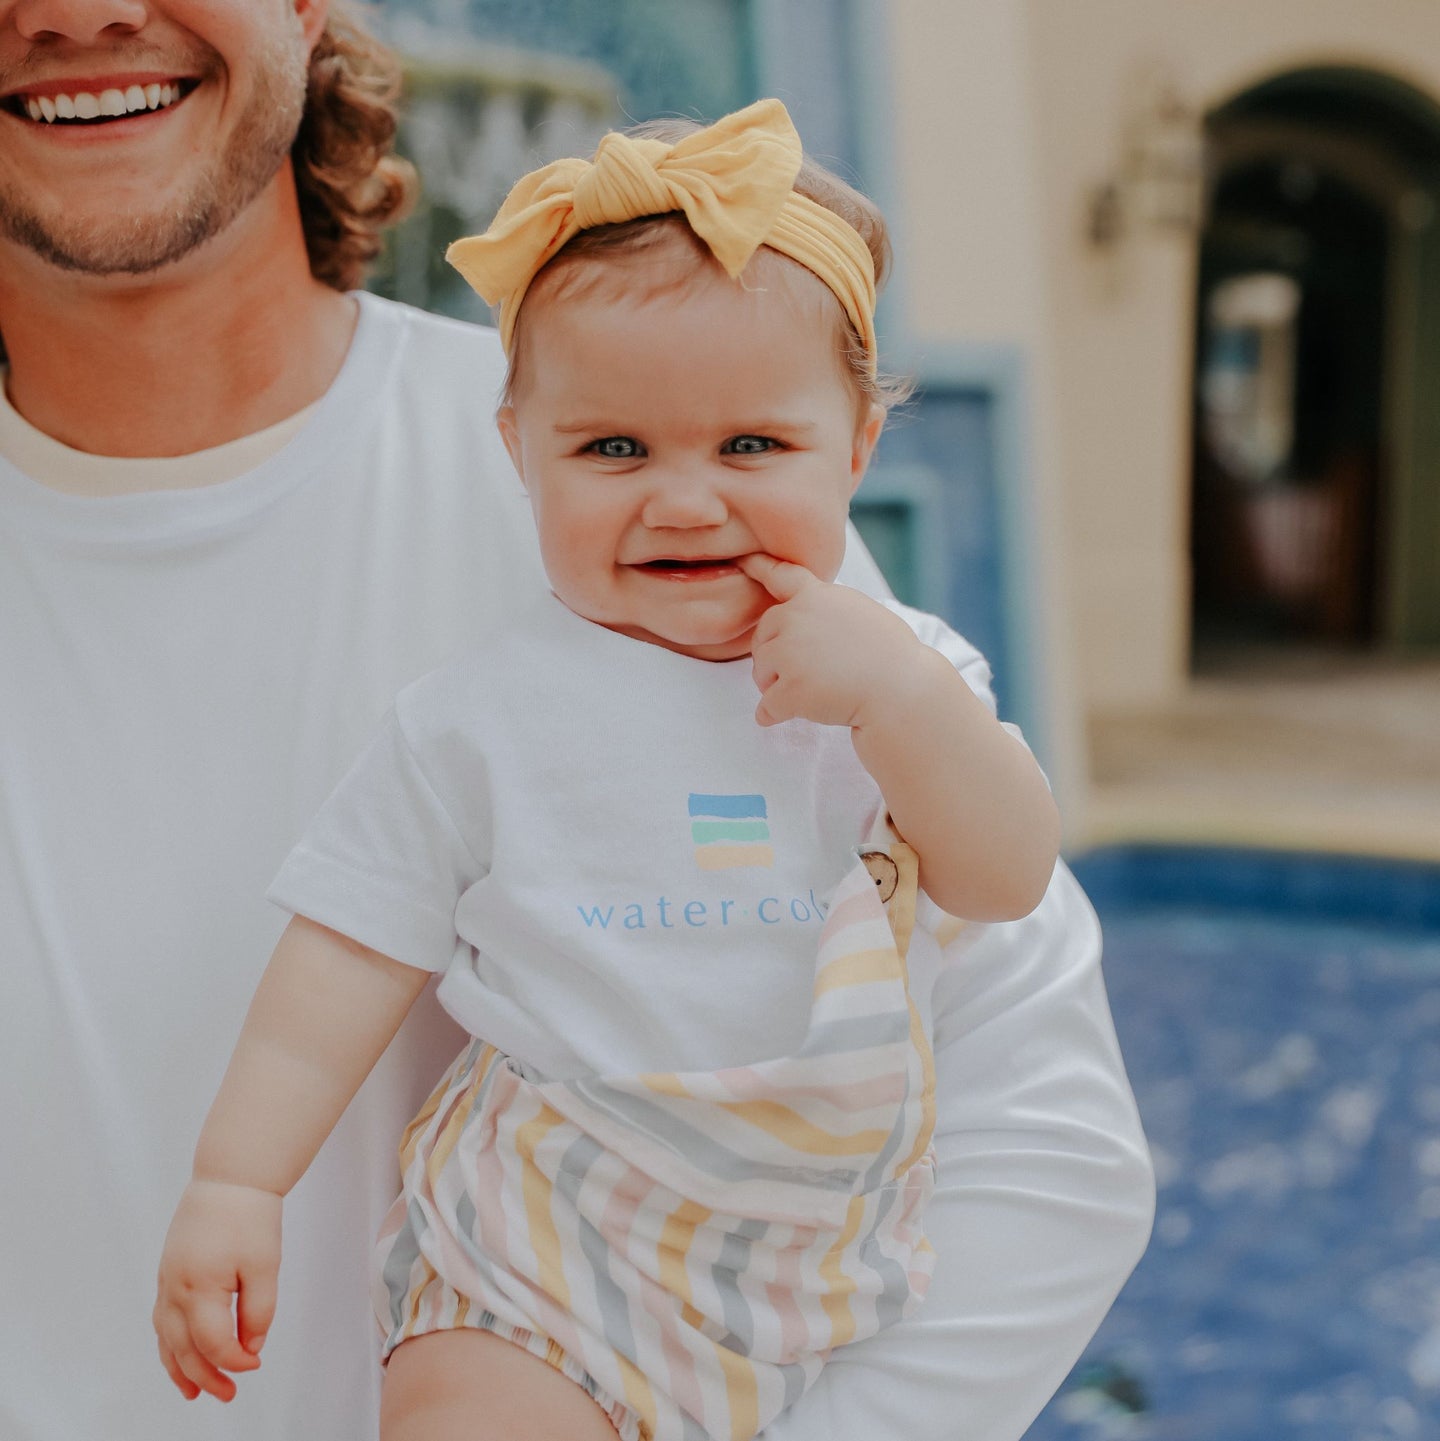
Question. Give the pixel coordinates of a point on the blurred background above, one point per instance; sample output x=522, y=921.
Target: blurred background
x=1168, y=278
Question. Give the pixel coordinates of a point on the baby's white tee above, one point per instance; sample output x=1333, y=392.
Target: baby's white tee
x=615, y=866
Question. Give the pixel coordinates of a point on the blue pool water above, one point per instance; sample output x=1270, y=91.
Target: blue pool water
x=1280, y=1018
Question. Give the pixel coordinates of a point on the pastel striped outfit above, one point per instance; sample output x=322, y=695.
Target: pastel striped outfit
x=687, y=1246
x=687, y=1241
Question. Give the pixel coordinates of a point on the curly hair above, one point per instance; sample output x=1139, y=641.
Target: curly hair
x=350, y=183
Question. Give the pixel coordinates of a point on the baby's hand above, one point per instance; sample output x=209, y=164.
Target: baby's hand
x=223, y=1243
x=824, y=652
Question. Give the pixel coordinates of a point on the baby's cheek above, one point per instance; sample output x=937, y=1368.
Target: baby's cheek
x=825, y=546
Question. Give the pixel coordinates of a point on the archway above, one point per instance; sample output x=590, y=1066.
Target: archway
x=1316, y=498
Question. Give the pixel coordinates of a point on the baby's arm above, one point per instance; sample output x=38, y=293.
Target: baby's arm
x=325, y=1009
x=963, y=791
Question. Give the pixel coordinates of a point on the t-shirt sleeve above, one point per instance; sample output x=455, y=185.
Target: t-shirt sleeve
x=1043, y=1200
x=973, y=667
x=383, y=862
x=858, y=569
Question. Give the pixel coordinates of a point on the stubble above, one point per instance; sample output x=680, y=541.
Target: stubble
x=138, y=243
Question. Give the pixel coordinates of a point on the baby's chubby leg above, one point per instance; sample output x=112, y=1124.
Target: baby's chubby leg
x=468, y=1385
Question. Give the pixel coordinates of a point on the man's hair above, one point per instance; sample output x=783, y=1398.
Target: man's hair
x=350, y=183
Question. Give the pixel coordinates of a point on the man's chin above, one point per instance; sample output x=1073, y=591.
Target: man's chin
x=119, y=239
x=105, y=248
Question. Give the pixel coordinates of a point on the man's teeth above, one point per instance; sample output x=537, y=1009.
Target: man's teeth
x=109, y=103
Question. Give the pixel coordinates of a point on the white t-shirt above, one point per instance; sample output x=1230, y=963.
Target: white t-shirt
x=617, y=869
x=187, y=673
x=184, y=676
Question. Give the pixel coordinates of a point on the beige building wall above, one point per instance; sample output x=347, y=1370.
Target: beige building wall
x=1009, y=113
x=974, y=268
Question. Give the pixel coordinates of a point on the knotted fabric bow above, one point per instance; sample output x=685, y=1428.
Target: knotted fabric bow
x=733, y=181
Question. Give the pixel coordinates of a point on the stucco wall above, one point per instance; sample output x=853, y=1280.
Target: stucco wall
x=968, y=218
x=1007, y=113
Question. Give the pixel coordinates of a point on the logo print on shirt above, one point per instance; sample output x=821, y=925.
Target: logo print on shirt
x=730, y=831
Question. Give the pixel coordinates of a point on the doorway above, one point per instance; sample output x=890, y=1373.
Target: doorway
x=1316, y=490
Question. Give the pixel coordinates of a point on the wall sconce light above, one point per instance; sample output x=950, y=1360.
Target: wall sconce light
x=1160, y=180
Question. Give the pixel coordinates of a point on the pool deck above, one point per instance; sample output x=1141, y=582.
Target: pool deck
x=1311, y=753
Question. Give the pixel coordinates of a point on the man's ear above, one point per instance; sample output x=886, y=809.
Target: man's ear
x=312, y=15
x=510, y=434
x=867, y=435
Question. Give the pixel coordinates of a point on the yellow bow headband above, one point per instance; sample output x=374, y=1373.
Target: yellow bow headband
x=733, y=181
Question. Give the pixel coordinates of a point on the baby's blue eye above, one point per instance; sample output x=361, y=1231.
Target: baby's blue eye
x=748, y=445
x=616, y=447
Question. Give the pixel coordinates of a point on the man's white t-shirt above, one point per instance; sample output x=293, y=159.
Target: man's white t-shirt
x=185, y=673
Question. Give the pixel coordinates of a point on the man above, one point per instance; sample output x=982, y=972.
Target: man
x=239, y=508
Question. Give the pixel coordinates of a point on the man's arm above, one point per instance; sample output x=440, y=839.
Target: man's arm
x=1043, y=1204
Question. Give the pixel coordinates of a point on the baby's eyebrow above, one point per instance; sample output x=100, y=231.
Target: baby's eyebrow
x=764, y=425
x=790, y=427
x=589, y=427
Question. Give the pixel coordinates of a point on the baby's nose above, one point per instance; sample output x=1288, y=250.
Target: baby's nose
x=684, y=498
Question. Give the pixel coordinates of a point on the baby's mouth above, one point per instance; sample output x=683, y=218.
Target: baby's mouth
x=97, y=107
x=692, y=565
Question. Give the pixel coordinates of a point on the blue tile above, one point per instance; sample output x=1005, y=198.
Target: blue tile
x=1274, y=883
x=1280, y=1017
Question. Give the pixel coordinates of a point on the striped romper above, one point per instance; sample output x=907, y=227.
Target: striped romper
x=687, y=1246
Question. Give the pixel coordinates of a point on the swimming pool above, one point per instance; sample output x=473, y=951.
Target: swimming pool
x=1280, y=1018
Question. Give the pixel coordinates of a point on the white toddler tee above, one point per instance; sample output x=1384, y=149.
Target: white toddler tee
x=616, y=867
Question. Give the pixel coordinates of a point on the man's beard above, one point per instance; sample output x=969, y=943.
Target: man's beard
x=139, y=243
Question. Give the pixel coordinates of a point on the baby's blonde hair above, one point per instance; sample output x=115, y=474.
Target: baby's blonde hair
x=574, y=269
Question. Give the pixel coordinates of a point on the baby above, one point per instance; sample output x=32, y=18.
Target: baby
x=686, y=1156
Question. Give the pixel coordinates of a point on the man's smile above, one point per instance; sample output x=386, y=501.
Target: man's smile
x=96, y=102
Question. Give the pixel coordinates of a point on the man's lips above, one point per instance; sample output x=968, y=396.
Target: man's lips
x=97, y=100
